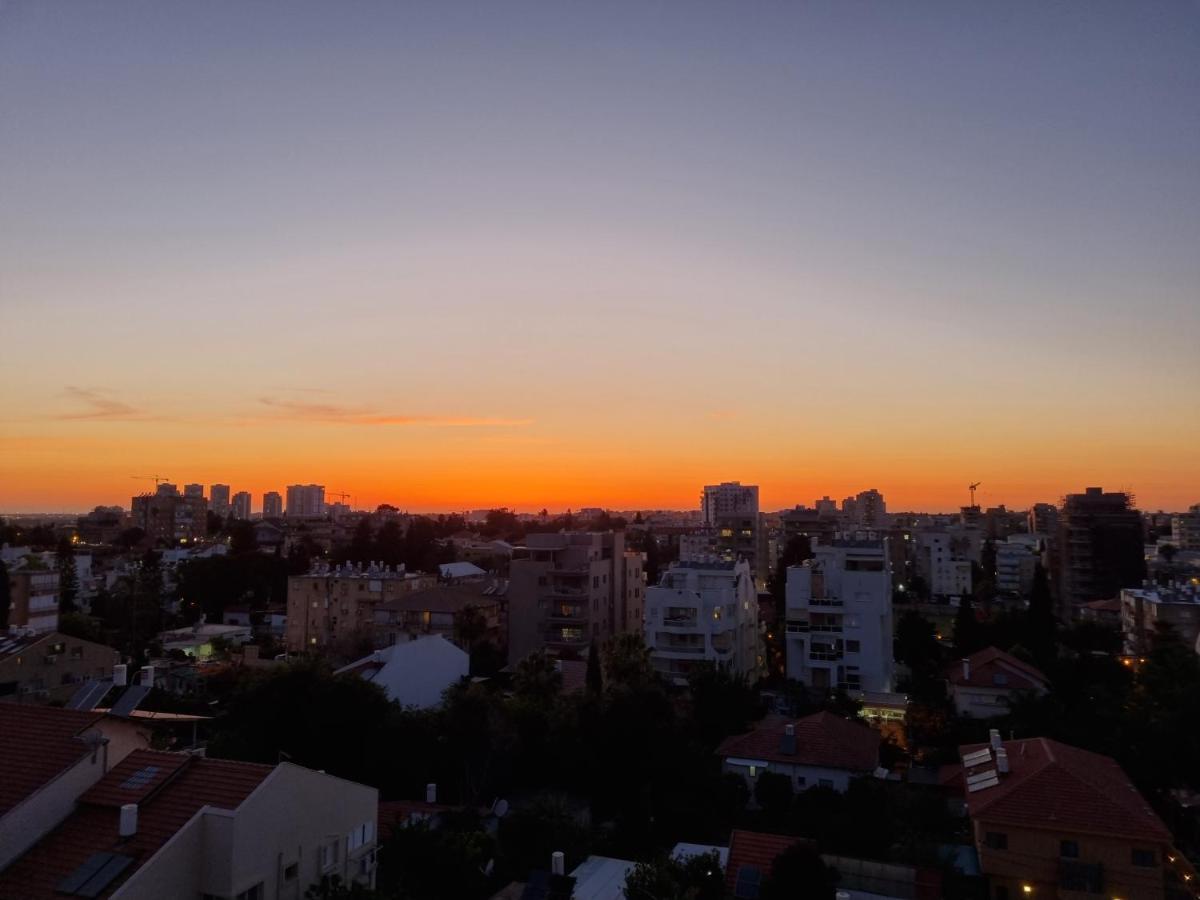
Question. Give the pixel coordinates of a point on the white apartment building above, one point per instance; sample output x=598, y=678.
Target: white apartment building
x=305, y=500
x=839, y=622
x=730, y=512
x=704, y=611
x=1185, y=529
x=939, y=562
x=1142, y=609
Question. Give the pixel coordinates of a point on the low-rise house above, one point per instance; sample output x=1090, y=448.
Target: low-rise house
x=175, y=825
x=460, y=571
x=414, y=673
x=821, y=750
x=437, y=610
x=197, y=640
x=46, y=668
x=985, y=684
x=1051, y=820
x=48, y=757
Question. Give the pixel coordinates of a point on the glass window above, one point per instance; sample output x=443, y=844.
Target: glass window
x=1068, y=849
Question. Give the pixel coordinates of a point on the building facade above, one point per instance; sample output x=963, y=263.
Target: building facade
x=1185, y=529
x=839, y=621
x=240, y=505
x=218, y=499
x=305, y=500
x=729, y=511
x=1144, y=610
x=704, y=612
x=1100, y=548
x=169, y=517
x=272, y=505
x=48, y=668
x=33, y=595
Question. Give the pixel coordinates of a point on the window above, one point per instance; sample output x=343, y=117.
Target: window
x=290, y=872
x=1143, y=857
x=595, y=581
x=1068, y=849
x=825, y=782
x=254, y=893
x=749, y=881
x=801, y=781
x=852, y=646
x=76, y=653
x=329, y=855
x=996, y=840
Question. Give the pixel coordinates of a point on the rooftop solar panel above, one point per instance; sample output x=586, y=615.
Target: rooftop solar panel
x=88, y=695
x=79, y=877
x=129, y=700
x=140, y=778
x=96, y=885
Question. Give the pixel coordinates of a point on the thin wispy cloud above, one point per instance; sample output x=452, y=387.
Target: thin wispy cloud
x=98, y=404
x=336, y=414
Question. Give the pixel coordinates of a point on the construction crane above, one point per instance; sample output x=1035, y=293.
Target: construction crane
x=341, y=495
x=157, y=479
x=971, y=488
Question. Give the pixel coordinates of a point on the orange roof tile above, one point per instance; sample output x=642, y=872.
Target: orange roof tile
x=37, y=744
x=822, y=739
x=988, y=664
x=755, y=848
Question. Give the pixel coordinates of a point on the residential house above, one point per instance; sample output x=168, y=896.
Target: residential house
x=985, y=684
x=48, y=757
x=176, y=825
x=821, y=750
x=1052, y=820
x=47, y=668
x=438, y=609
x=416, y=672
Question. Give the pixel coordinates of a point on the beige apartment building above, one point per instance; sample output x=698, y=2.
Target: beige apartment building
x=568, y=589
x=332, y=608
x=48, y=668
x=33, y=594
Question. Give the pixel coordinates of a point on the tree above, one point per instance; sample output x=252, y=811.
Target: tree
x=5, y=596
x=696, y=877
x=918, y=648
x=773, y=792
x=595, y=681
x=537, y=677
x=1041, y=618
x=420, y=862
x=799, y=872
x=966, y=627
x=470, y=626
x=1168, y=552
x=390, y=545
x=242, y=539
x=627, y=662
x=797, y=550
x=723, y=703
x=68, y=577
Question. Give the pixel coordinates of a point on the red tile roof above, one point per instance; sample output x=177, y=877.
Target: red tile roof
x=165, y=806
x=822, y=739
x=37, y=744
x=994, y=668
x=1053, y=786
x=755, y=848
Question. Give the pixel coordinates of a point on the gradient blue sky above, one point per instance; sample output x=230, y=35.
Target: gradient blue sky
x=551, y=254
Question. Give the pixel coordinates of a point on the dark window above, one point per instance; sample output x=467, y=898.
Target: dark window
x=749, y=880
x=1068, y=849
x=852, y=646
x=1077, y=876
x=996, y=840
x=291, y=871
x=1143, y=857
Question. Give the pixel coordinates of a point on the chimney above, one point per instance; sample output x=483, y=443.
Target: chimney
x=558, y=863
x=128, y=824
x=431, y=793
x=994, y=736
x=120, y=675
x=148, y=676
x=1002, y=761
x=966, y=669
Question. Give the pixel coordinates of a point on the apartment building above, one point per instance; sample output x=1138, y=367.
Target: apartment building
x=1100, y=548
x=1052, y=820
x=33, y=596
x=305, y=500
x=240, y=505
x=839, y=622
x=48, y=668
x=1185, y=529
x=819, y=524
x=1043, y=519
x=272, y=505
x=1145, y=608
x=568, y=589
x=176, y=825
x=1016, y=560
x=729, y=511
x=704, y=611
x=333, y=607
x=170, y=517
x=218, y=499
x=942, y=561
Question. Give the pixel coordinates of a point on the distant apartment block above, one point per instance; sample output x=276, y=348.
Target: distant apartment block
x=241, y=505
x=218, y=499
x=867, y=509
x=566, y=590
x=1185, y=529
x=1016, y=560
x=332, y=608
x=730, y=512
x=193, y=490
x=438, y=610
x=1145, y=609
x=1100, y=548
x=704, y=611
x=33, y=596
x=103, y=525
x=942, y=563
x=272, y=505
x=1043, y=519
x=170, y=517
x=305, y=500
x=839, y=622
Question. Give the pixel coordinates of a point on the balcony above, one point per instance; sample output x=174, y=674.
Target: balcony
x=664, y=644
x=567, y=615
x=825, y=655
x=824, y=601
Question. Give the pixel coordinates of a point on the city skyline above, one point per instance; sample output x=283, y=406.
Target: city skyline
x=531, y=256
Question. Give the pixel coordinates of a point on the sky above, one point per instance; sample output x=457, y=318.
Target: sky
x=457, y=255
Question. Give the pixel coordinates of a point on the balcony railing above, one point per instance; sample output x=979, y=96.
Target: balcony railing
x=824, y=601
x=826, y=655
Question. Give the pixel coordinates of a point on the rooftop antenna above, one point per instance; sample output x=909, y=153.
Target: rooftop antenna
x=971, y=488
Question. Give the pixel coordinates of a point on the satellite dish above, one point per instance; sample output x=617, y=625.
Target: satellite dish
x=501, y=808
